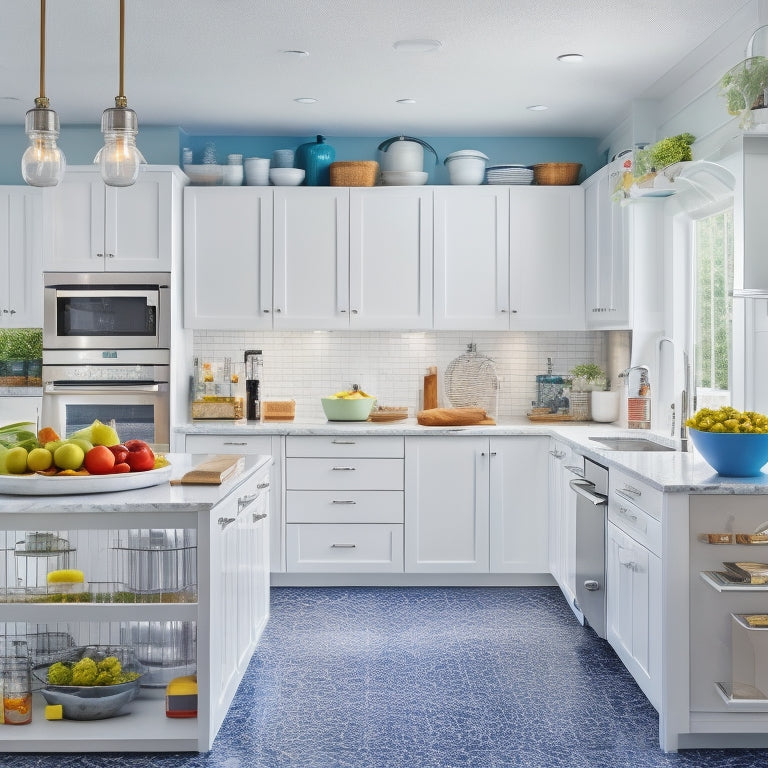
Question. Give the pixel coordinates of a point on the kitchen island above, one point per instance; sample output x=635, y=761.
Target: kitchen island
x=161, y=560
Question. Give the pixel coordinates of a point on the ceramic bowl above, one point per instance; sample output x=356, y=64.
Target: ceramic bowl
x=466, y=169
x=732, y=454
x=205, y=174
x=404, y=178
x=286, y=177
x=342, y=409
x=92, y=703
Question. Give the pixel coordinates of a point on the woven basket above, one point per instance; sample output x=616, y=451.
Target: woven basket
x=556, y=173
x=580, y=402
x=354, y=173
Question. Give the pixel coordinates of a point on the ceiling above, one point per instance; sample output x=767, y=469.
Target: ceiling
x=220, y=66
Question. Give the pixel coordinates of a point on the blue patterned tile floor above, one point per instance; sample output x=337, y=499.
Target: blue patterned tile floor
x=428, y=678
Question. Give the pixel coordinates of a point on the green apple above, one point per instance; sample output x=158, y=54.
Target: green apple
x=16, y=460
x=86, y=445
x=69, y=456
x=39, y=459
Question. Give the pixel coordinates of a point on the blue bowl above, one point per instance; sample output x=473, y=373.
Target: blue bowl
x=732, y=454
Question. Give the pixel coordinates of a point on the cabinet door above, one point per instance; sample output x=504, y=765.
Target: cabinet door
x=228, y=257
x=138, y=229
x=446, y=504
x=546, y=272
x=390, y=269
x=518, y=508
x=606, y=253
x=311, y=257
x=21, y=263
x=471, y=272
x=74, y=223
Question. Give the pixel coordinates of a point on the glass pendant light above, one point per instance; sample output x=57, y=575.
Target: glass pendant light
x=43, y=163
x=119, y=158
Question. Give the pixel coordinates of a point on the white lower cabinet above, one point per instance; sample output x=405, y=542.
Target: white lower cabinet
x=476, y=504
x=344, y=504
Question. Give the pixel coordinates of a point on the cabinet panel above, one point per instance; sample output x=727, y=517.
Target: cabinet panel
x=340, y=548
x=228, y=258
x=471, y=271
x=446, y=504
x=344, y=506
x=344, y=474
x=317, y=446
x=390, y=265
x=311, y=258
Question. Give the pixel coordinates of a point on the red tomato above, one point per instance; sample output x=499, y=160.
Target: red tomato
x=99, y=460
x=120, y=452
x=119, y=468
x=140, y=457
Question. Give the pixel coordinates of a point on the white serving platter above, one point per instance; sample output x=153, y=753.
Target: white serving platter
x=66, y=485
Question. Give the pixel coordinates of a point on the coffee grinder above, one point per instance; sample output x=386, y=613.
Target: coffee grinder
x=253, y=372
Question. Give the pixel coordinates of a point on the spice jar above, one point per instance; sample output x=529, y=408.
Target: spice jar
x=17, y=692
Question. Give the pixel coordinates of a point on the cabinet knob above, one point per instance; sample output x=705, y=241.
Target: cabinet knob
x=278, y=310
x=354, y=311
x=514, y=311
x=265, y=311
x=12, y=312
x=256, y=518
x=225, y=521
x=110, y=255
x=5, y=311
x=263, y=485
x=99, y=255
x=591, y=585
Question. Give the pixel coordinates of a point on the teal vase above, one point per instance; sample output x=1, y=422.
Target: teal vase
x=316, y=158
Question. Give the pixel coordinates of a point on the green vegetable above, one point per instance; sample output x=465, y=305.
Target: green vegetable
x=59, y=674
x=673, y=149
x=588, y=371
x=85, y=672
x=727, y=419
x=743, y=85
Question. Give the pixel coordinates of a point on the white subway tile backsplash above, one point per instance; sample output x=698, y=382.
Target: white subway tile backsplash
x=308, y=365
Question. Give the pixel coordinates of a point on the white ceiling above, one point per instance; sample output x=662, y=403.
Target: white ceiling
x=219, y=65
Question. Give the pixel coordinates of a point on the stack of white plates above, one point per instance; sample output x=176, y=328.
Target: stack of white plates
x=508, y=174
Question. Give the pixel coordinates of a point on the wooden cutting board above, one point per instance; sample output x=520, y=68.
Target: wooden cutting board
x=213, y=471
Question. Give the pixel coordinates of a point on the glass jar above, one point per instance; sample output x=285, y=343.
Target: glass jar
x=17, y=691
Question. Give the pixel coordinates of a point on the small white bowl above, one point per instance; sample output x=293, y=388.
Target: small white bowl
x=466, y=169
x=404, y=178
x=205, y=173
x=286, y=177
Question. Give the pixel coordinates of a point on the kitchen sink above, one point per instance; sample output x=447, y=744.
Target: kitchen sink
x=631, y=444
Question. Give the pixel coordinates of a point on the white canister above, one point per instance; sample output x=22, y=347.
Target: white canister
x=257, y=171
x=605, y=406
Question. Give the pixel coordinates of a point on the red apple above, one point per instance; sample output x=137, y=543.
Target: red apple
x=120, y=452
x=99, y=460
x=140, y=457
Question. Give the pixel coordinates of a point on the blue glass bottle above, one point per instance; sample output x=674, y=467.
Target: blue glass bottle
x=316, y=158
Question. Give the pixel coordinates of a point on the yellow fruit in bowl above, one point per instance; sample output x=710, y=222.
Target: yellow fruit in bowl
x=39, y=459
x=86, y=445
x=16, y=461
x=103, y=434
x=69, y=456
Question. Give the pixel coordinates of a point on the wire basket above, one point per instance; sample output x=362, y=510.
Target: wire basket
x=554, y=174
x=354, y=173
x=580, y=405
x=471, y=382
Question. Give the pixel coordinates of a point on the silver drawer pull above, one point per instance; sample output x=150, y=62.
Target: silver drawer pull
x=244, y=501
x=262, y=485
x=259, y=517
x=343, y=469
x=343, y=546
x=232, y=442
x=343, y=442
x=557, y=454
x=625, y=513
x=634, y=491
x=343, y=501
x=225, y=521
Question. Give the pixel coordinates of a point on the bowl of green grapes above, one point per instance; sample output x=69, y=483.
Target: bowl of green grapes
x=734, y=443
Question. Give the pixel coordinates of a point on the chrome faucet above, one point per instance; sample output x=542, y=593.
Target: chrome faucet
x=625, y=374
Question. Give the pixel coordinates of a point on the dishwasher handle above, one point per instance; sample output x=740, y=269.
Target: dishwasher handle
x=586, y=490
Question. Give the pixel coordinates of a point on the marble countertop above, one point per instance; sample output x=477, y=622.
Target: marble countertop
x=668, y=471
x=157, y=498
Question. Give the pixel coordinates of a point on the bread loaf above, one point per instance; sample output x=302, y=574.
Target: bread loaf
x=452, y=417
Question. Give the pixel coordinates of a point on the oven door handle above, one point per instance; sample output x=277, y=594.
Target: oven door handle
x=106, y=293
x=52, y=388
x=584, y=489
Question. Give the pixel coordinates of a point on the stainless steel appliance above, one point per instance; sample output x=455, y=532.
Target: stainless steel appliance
x=106, y=310
x=591, y=507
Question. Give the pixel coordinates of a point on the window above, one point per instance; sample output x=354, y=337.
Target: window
x=713, y=308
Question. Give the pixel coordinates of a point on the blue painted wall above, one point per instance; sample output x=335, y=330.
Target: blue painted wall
x=162, y=146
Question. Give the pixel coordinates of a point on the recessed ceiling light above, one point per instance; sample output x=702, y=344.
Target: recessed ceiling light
x=305, y=100
x=417, y=46
x=406, y=101
x=537, y=107
x=571, y=58
x=297, y=53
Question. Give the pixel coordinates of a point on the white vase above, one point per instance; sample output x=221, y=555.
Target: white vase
x=605, y=406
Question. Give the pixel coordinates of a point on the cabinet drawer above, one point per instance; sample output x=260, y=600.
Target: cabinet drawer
x=390, y=446
x=635, y=522
x=339, y=547
x=636, y=491
x=259, y=444
x=344, y=507
x=344, y=474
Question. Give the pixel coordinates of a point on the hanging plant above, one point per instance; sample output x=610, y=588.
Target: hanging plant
x=743, y=88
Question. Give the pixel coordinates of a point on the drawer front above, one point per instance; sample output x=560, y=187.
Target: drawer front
x=635, y=522
x=631, y=489
x=259, y=444
x=344, y=507
x=384, y=447
x=338, y=548
x=344, y=474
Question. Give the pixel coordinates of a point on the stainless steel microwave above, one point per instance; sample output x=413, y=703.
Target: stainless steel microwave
x=106, y=310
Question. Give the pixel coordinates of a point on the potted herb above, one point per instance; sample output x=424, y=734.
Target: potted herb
x=744, y=88
x=588, y=377
x=662, y=154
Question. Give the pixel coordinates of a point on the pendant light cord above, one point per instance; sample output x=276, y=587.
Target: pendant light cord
x=120, y=100
x=42, y=101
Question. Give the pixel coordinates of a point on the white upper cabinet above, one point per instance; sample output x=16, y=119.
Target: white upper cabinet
x=228, y=257
x=546, y=234
x=471, y=272
x=311, y=257
x=21, y=274
x=509, y=258
x=390, y=260
x=607, y=254
x=91, y=227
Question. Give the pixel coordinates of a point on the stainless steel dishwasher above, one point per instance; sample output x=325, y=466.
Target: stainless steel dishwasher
x=591, y=502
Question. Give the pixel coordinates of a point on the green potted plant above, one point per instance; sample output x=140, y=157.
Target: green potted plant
x=665, y=152
x=588, y=377
x=744, y=88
